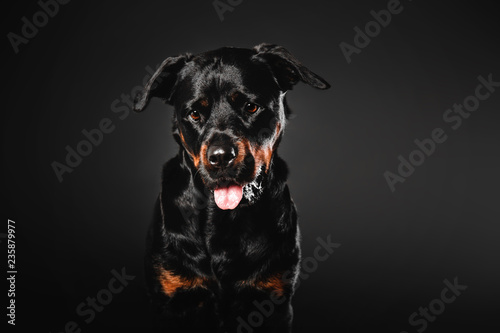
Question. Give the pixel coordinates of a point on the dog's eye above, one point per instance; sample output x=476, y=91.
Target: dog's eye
x=195, y=115
x=251, y=107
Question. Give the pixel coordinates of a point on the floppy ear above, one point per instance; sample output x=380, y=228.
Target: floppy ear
x=161, y=83
x=286, y=68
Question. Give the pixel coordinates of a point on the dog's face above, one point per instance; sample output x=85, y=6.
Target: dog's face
x=229, y=116
x=230, y=111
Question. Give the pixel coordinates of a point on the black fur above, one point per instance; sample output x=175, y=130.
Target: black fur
x=209, y=269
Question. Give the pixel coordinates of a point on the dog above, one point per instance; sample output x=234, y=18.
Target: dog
x=223, y=250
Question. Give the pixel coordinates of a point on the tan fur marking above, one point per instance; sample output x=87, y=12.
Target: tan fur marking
x=243, y=148
x=203, y=156
x=234, y=96
x=264, y=154
x=274, y=283
x=204, y=102
x=170, y=282
x=196, y=159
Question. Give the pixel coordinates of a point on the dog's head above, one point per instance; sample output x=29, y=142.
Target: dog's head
x=230, y=111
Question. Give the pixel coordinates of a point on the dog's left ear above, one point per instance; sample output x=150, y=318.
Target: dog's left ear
x=162, y=82
x=286, y=68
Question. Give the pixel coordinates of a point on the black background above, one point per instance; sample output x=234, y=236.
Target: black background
x=396, y=247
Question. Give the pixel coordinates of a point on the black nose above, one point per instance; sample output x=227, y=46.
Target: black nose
x=221, y=156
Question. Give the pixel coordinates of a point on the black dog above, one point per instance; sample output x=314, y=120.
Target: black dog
x=223, y=251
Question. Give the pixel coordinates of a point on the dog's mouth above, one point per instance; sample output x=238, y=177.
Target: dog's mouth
x=228, y=197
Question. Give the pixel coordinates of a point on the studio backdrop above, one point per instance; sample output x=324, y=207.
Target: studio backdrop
x=394, y=169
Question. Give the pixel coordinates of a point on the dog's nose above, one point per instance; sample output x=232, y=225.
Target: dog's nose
x=221, y=156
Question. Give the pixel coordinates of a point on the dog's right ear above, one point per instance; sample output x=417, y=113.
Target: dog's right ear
x=287, y=69
x=162, y=82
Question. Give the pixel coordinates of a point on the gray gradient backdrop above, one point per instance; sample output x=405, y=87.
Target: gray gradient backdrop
x=396, y=247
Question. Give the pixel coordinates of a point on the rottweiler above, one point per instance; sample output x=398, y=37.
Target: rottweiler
x=223, y=250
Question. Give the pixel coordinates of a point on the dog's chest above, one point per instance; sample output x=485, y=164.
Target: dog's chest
x=237, y=245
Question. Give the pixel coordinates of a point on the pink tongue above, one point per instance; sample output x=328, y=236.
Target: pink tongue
x=228, y=197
